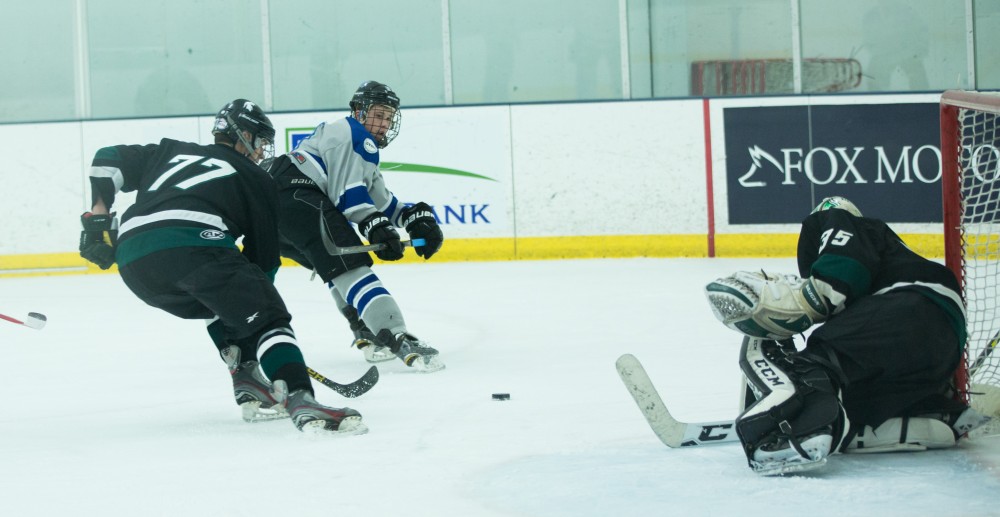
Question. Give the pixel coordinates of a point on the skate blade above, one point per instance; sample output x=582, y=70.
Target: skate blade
x=379, y=355
x=252, y=412
x=783, y=468
x=349, y=426
x=424, y=364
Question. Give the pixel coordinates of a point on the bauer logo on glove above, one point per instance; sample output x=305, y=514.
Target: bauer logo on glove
x=766, y=305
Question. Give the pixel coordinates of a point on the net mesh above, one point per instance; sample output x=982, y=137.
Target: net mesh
x=979, y=156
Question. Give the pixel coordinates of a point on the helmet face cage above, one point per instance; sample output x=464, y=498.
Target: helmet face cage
x=372, y=93
x=242, y=116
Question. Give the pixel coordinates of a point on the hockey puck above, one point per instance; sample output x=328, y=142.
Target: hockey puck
x=501, y=396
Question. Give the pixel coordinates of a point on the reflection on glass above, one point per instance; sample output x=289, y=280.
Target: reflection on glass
x=721, y=47
x=37, y=61
x=191, y=56
x=987, y=30
x=321, y=50
x=525, y=50
x=911, y=45
x=175, y=58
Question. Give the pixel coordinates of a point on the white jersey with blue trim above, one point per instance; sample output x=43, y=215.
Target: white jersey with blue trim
x=341, y=157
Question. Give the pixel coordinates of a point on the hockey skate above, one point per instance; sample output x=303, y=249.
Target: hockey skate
x=412, y=351
x=251, y=390
x=781, y=456
x=312, y=417
x=364, y=339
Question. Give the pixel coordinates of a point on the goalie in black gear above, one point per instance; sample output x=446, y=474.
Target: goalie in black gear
x=893, y=335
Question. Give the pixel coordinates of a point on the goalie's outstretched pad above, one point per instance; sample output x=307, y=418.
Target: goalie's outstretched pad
x=797, y=405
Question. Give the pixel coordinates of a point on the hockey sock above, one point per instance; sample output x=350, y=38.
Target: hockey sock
x=363, y=290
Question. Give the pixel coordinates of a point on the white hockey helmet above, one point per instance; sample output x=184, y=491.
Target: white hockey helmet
x=837, y=202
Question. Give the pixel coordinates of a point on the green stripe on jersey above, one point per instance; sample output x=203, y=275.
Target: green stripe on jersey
x=108, y=153
x=845, y=269
x=171, y=237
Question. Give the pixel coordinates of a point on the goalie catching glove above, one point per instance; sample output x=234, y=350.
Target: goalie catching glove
x=98, y=238
x=766, y=305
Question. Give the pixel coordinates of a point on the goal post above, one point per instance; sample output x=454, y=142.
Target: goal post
x=970, y=188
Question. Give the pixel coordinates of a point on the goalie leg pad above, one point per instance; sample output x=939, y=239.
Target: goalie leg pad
x=902, y=434
x=796, y=403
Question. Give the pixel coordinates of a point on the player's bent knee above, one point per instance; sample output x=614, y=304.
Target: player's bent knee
x=795, y=399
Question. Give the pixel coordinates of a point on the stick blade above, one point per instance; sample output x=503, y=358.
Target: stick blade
x=636, y=380
x=35, y=320
x=670, y=431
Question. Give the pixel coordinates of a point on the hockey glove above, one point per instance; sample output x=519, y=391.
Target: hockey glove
x=420, y=224
x=378, y=230
x=767, y=305
x=98, y=239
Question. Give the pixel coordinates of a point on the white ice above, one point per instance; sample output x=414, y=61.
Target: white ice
x=118, y=409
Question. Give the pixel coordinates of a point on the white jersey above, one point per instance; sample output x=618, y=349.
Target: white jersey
x=342, y=159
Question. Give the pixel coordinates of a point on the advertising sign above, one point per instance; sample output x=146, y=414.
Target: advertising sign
x=781, y=160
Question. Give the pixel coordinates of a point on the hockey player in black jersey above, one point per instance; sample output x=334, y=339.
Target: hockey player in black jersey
x=176, y=250
x=875, y=376
x=334, y=175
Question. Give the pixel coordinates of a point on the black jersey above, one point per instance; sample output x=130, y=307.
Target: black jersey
x=860, y=256
x=189, y=195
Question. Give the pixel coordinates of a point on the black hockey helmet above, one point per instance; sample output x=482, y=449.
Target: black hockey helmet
x=374, y=92
x=241, y=116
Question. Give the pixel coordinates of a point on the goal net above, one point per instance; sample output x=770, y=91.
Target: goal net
x=773, y=76
x=970, y=183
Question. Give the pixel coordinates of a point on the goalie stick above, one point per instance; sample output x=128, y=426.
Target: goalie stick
x=670, y=431
x=334, y=250
x=350, y=390
x=34, y=320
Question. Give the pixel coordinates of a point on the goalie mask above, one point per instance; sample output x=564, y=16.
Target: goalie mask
x=244, y=122
x=374, y=93
x=837, y=202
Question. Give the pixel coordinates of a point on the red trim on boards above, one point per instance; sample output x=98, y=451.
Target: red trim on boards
x=708, y=177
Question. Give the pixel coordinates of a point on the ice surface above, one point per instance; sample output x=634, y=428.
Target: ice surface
x=115, y=408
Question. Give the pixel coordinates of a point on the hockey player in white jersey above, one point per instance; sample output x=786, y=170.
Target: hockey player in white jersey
x=333, y=176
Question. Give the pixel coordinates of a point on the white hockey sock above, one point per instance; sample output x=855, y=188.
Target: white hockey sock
x=363, y=290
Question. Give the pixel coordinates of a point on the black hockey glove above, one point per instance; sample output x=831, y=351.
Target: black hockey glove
x=98, y=239
x=420, y=224
x=378, y=230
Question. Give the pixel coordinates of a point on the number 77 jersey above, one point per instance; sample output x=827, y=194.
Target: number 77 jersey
x=189, y=195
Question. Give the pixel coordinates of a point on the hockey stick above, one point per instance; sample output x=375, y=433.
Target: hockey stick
x=351, y=390
x=347, y=250
x=333, y=249
x=670, y=431
x=34, y=320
